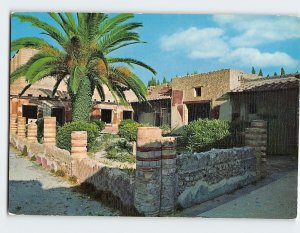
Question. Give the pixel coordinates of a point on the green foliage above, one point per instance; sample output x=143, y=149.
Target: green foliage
x=40, y=129
x=83, y=57
x=152, y=82
x=164, y=80
x=253, y=70
x=100, y=124
x=63, y=137
x=260, y=73
x=275, y=74
x=165, y=129
x=128, y=129
x=282, y=72
x=60, y=173
x=157, y=82
x=203, y=134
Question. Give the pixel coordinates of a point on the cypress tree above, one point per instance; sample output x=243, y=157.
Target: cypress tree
x=164, y=80
x=253, y=70
x=260, y=73
x=275, y=74
x=282, y=72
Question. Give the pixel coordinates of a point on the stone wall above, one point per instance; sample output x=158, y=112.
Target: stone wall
x=206, y=175
x=113, y=180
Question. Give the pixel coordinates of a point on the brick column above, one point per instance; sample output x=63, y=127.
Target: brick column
x=79, y=144
x=168, y=179
x=21, y=131
x=13, y=125
x=14, y=105
x=32, y=132
x=50, y=130
x=256, y=137
x=148, y=171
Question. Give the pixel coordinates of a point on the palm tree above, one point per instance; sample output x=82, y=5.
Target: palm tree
x=84, y=60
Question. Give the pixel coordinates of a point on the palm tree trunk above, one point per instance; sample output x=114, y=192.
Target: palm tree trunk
x=82, y=101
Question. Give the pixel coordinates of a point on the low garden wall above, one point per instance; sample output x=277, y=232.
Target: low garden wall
x=203, y=176
x=163, y=179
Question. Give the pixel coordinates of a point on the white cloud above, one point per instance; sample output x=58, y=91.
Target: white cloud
x=256, y=30
x=233, y=42
x=196, y=42
x=253, y=57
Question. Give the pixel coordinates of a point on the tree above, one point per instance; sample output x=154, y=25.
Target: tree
x=164, y=80
x=260, y=73
x=83, y=58
x=157, y=82
x=282, y=72
x=253, y=70
x=275, y=74
x=268, y=76
x=152, y=82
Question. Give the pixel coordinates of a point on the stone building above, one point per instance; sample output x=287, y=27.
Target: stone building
x=157, y=111
x=37, y=101
x=275, y=100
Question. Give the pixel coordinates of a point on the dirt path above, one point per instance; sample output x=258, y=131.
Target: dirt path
x=34, y=191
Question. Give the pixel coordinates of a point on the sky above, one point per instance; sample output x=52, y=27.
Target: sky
x=178, y=44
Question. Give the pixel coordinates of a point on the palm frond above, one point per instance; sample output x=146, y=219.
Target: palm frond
x=50, y=30
x=131, y=61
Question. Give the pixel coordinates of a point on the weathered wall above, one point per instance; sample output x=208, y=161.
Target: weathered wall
x=113, y=180
x=104, y=178
x=213, y=86
x=203, y=176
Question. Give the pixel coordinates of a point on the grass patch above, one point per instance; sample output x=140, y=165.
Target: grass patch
x=33, y=158
x=73, y=179
x=24, y=152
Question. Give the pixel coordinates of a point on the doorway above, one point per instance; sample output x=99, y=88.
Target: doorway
x=106, y=115
x=29, y=111
x=196, y=111
x=59, y=113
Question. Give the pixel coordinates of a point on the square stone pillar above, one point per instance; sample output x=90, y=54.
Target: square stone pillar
x=79, y=145
x=50, y=131
x=21, y=131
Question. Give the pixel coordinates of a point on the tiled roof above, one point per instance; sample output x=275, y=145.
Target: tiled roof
x=157, y=93
x=268, y=84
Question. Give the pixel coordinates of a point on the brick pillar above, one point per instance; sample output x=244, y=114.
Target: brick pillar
x=50, y=130
x=256, y=137
x=21, y=131
x=79, y=144
x=168, y=179
x=148, y=171
x=14, y=106
x=32, y=132
x=13, y=125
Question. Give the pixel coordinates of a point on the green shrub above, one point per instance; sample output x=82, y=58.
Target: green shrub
x=204, y=134
x=40, y=129
x=166, y=129
x=63, y=137
x=128, y=129
x=99, y=123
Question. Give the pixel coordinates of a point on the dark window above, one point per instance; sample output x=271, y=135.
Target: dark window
x=59, y=113
x=196, y=111
x=252, y=108
x=197, y=91
x=127, y=115
x=29, y=111
x=106, y=115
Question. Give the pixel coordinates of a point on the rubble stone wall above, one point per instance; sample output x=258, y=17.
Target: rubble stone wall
x=206, y=175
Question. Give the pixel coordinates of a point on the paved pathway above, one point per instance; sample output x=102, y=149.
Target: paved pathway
x=34, y=191
x=273, y=197
x=275, y=200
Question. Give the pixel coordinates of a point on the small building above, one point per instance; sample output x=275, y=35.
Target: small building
x=276, y=100
x=36, y=101
x=157, y=111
